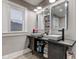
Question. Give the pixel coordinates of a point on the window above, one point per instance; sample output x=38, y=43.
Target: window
x=17, y=18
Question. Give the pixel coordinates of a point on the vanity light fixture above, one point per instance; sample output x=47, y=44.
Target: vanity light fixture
x=65, y=4
x=35, y=10
x=39, y=8
x=51, y=1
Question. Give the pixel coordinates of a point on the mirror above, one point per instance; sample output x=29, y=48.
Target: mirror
x=40, y=22
x=53, y=17
x=59, y=16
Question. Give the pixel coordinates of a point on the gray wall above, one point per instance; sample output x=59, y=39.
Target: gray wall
x=31, y=22
x=71, y=32
x=15, y=43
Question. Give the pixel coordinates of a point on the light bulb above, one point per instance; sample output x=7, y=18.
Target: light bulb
x=35, y=10
x=51, y=1
x=65, y=4
x=39, y=7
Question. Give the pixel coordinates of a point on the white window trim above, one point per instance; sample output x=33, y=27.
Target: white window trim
x=16, y=6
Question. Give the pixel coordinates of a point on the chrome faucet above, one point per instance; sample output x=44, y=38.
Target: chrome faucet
x=62, y=30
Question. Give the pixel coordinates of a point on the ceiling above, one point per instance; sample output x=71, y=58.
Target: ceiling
x=31, y=4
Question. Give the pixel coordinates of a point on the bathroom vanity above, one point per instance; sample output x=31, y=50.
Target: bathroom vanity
x=57, y=48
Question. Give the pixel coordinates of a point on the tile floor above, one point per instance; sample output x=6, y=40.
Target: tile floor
x=27, y=56
x=30, y=56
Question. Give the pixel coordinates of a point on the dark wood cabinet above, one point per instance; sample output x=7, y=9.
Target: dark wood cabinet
x=56, y=51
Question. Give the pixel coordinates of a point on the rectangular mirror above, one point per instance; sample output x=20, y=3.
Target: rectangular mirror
x=59, y=17
x=40, y=22
x=53, y=17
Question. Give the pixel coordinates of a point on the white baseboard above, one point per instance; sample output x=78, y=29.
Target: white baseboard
x=16, y=54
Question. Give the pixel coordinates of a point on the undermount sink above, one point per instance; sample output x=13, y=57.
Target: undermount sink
x=53, y=37
x=36, y=34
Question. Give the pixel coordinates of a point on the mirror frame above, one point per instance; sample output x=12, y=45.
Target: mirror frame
x=66, y=15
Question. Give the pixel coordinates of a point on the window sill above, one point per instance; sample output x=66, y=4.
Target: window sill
x=15, y=34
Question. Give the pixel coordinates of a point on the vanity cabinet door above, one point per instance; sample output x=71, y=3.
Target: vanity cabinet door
x=56, y=51
x=31, y=44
